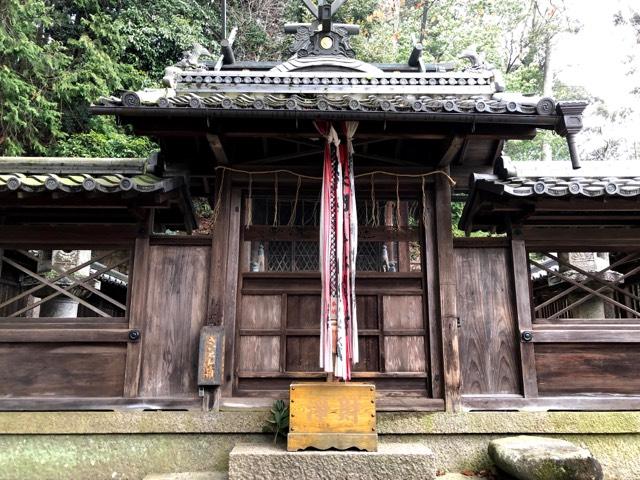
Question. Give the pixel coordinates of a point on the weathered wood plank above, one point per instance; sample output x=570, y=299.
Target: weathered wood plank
x=520, y=261
x=261, y=311
x=230, y=285
x=587, y=368
x=488, y=337
x=592, y=239
x=62, y=369
x=261, y=354
x=430, y=281
x=137, y=306
x=26, y=236
x=66, y=335
x=402, y=311
x=592, y=335
x=404, y=354
x=448, y=294
x=175, y=311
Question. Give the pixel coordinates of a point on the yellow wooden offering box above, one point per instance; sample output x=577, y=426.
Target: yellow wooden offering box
x=332, y=415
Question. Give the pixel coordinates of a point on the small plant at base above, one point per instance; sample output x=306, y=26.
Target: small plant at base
x=278, y=422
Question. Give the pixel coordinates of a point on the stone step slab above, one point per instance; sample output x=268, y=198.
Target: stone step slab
x=187, y=476
x=407, y=461
x=540, y=458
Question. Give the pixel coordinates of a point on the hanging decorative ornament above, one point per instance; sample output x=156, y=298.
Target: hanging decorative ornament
x=338, y=248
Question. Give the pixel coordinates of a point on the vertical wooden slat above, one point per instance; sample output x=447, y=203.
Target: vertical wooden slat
x=230, y=284
x=380, y=315
x=448, y=293
x=430, y=269
x=137, y=306
x=284, y=322
x=523, y=310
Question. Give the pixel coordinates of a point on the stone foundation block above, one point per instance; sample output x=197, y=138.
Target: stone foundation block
x=541, y=458
x=407, y=461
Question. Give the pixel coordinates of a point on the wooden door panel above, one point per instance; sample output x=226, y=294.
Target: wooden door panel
x=303, y=311
x=175, y=311
x=259, y=354
x=286, y=345
x=488, y=331
x=303, y=354
x=261, y=311
x=403, y=312
x=367, y=310
x=369, y=354
x=404, y=354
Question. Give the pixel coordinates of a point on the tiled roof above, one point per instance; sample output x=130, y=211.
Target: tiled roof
x=516, y=194
x=345, y=100
x=87, y=183
x=562, y=186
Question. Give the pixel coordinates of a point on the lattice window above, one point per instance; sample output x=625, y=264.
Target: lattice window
x=64, y=283
x=585, y=285
x=279, y=256
x=369, y=257
x=306, y=256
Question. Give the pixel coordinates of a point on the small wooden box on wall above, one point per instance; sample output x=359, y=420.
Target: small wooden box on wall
x=332, y=415
x=211, y=356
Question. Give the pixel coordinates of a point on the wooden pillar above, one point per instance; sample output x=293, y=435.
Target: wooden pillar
x=224, y=272
x=448, y=293
x=523, y=311
x=137, y=305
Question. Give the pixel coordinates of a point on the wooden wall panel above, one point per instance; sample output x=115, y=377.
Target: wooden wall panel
x=369, y=354
x=565, y=369
x=303, y=311
x=176, y=307
x=488, y=331
x=303, y=354
x=259, y=354
x=261, y=311
x=62, y=369
x=402, y=312
x=404, y=354
x=367, y=310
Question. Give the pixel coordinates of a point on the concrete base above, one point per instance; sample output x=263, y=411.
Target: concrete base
x=392, y=460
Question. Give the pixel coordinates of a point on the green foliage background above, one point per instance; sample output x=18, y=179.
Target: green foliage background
x=56, y=56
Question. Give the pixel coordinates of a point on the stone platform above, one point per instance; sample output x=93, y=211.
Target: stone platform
x=407, y=461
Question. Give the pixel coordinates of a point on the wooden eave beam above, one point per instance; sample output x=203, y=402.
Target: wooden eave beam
x=454, y=148
x=217, y=149
x=282, y=158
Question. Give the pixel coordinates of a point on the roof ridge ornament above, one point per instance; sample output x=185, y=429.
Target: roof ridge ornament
x=322, y=37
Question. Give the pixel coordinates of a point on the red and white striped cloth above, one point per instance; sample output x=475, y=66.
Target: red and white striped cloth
x=338, y=249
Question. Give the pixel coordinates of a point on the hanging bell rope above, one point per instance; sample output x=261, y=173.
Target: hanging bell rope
x=275, y=202
x=294, y=208
x=250, y=202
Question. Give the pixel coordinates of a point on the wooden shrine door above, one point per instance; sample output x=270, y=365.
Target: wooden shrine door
x=278, y=308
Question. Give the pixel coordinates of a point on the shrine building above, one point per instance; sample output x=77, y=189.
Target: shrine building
x=152, y=310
